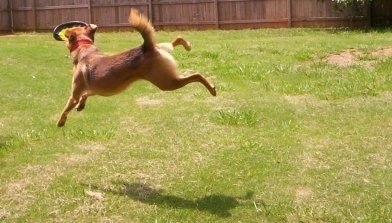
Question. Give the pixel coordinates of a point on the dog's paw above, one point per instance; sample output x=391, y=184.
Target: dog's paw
x=213, y=91
x=79, y=108
x=61, y=122
x=188, y=46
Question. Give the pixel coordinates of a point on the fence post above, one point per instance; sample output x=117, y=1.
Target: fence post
x=370, y=11
x=289, y=16
x=89, y=11
x=150, y=11
x=216, y=6
x=34, y=16
x=10, y=16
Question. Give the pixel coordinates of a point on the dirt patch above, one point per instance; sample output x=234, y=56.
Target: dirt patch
x=345, y=58
x=352, y=57
x=385, y=52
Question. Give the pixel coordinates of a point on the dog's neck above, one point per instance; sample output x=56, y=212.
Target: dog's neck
x=81, y=53
x=78, y=43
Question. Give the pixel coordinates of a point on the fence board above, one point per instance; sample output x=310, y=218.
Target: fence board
x=183, y=14
x=267, y=13
x=5, y=23
x=382, y=13
x=187, y=14
x=310, y=13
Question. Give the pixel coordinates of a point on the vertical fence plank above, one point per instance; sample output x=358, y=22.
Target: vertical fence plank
x=381, y=11
x=216, y=11
x=34, y=15
x=89, y=11
x=11, y=17
x=289, y=16
x=5, y=24
x=150, y=13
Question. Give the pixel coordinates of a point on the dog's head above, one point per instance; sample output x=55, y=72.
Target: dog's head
x=77, y=34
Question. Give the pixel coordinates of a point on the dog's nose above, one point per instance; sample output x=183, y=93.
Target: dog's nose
x=93, y=26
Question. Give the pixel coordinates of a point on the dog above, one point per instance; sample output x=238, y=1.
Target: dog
x=97, y=74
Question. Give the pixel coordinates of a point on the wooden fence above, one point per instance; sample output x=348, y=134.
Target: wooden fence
x=42, y=15
x=381, y=13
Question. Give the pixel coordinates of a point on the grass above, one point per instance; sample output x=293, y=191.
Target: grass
x=289, y=138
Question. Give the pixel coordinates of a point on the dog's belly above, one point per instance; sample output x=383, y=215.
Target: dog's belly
x=110, y=75
x=110, y=84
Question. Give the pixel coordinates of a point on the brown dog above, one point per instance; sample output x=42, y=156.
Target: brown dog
x=97, y=74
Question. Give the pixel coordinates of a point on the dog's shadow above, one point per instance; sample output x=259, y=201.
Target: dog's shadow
x=217, y=204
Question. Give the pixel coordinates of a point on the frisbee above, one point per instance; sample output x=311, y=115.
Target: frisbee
x=59, y=31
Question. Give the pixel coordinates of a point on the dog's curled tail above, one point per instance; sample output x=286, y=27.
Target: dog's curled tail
x=144, y=27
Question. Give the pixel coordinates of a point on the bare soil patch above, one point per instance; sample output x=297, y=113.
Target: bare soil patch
x=352, y=57
x=345, y=58
x=385, y=52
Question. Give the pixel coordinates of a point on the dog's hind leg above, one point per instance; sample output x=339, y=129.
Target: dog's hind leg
x=170, y=83
x=169, y=47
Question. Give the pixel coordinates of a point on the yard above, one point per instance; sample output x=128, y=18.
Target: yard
x=301, y=131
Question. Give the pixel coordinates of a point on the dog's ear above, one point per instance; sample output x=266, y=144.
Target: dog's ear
x=93, y=27
x=90, y=31
x=71, y=35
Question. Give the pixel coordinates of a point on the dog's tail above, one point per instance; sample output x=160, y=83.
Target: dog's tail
x=144, y=27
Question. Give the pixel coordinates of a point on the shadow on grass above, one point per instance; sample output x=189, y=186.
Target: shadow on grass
x=217, y=204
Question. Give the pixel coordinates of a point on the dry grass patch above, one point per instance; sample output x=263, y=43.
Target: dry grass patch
x=303, y=194
x=19, y=194
x=148, y=101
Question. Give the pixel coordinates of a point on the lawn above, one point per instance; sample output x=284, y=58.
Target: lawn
x=291, y=137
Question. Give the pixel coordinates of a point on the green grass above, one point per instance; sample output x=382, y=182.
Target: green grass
x=289, y=138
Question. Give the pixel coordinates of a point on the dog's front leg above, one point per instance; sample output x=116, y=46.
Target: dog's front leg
x=78, y=89
x=70, y=105
x=82, y=102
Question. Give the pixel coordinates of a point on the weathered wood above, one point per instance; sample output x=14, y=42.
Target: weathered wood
x=289, y=15
x=188, y=14
x=381, y=12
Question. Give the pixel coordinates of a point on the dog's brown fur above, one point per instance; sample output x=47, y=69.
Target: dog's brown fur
x=97, y=74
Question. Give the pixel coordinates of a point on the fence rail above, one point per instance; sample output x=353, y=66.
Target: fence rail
x=40, y=15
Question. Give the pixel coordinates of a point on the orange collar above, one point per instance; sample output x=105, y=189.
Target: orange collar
x=78, y=43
